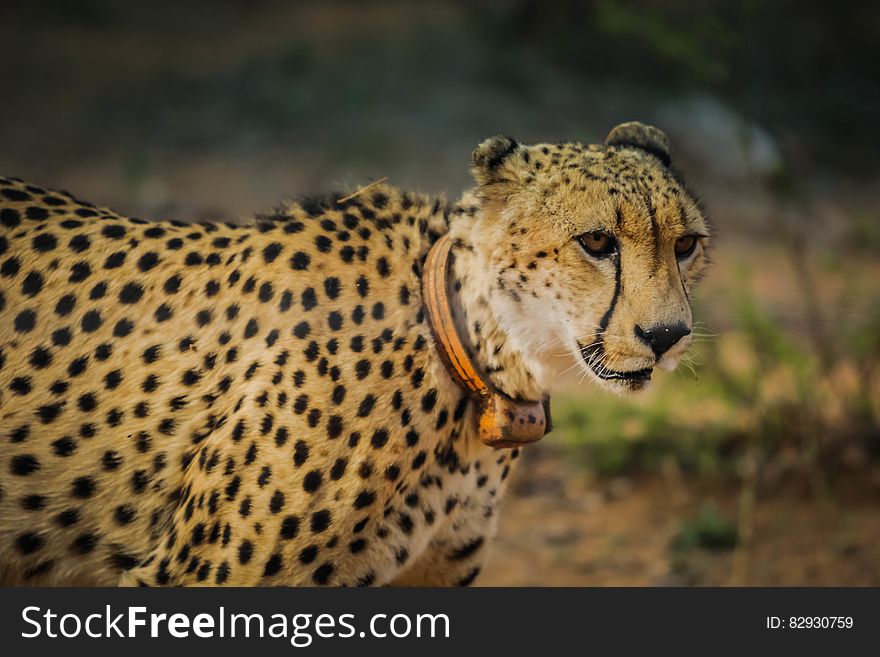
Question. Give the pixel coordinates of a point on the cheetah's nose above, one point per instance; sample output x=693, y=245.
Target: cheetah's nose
x=662, y=337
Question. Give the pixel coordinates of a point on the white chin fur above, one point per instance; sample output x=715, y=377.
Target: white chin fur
x=668, y=364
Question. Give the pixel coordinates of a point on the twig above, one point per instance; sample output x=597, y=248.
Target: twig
x=361, y=190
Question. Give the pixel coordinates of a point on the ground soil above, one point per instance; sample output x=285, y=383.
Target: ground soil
x=561, y=527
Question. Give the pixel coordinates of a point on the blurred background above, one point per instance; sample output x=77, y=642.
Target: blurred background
x=758, y=462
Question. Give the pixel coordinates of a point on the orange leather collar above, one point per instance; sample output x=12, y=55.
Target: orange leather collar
x=503, y=422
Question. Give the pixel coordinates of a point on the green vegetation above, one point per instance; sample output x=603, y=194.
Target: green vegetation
x=708, y=528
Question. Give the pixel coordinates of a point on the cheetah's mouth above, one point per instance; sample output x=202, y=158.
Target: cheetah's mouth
x=594, y=357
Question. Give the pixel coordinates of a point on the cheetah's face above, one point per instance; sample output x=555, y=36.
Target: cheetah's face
x=594, y=251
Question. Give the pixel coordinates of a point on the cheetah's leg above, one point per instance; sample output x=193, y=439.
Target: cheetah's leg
x=456, y=554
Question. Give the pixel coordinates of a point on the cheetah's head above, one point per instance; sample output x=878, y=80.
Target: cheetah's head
x=593, y=251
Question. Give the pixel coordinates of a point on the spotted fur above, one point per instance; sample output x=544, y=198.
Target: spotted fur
x=261, y=404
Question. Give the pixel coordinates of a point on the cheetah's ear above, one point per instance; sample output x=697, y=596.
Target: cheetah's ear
x=489, y=160
x=641, y=136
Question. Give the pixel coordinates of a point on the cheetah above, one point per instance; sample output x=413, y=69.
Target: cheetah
x=266, y=403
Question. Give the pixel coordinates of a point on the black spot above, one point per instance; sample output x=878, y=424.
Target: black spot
x=111, y=460
x=266, y=292
x=286, y=301
x=29, y=542
x=84, y=543
x=366, y=406
x=467, y=550
x=32, y=284
x=49, y=412
x=190, y=377
x=124, y=514
x=362, y=369
x=323, y=243
x=37, y=213
x=245, y=551
x=379, y=439
x=114, y=231
x=9, y=218
x=163, y=313
x=338, y=469
x=363, y=287
x=21, y=385
x=300, y=261
x=65, y=305
x=468, y=579
x=139, y=481
x=64, y=446
x=33, y=502
x=301, y=330
x=429, y=400
x=270, y=253
x=114, y=260
x=83, y=487
x=10, y=267
x=172, y=285
x=23, y=465
x=25, y=321
x=273, y=565
x=320, y=521
x=131, y=293
x=112, y=379
x=151, y=354
x=99, y=291
x=79, y=272
x=309, y=298
x=15, y=194
x=364, y=499
x=44, y=242
x=322, y=573
x=312, y=481
x=289, y=527
x=61, y=337
x=308, y=554
x=331, y=287
x=335, y=426
x=277, y=502
x=91, y=321
x=405, y=523
x=387, y=369
x=222, y=573
x=147, y=261
x=68, y=517
x=122, y=560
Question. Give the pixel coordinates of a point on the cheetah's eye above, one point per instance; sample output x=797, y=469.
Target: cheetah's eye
x=684, y=246
x=597, y=243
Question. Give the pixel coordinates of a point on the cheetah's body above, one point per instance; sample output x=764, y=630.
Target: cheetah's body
x=226, y=404
x=263, y=404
